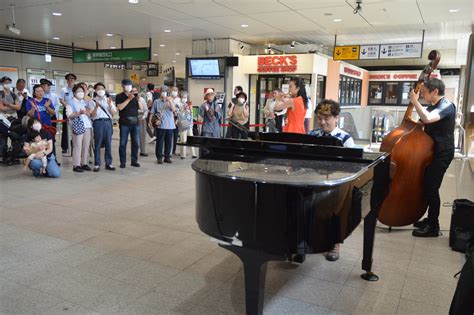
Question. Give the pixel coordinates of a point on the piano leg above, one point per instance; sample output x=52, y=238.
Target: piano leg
x=369, y=236
x=379, y=191
x=255, y=270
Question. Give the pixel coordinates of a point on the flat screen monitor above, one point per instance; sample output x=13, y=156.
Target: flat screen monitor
x=204, y=67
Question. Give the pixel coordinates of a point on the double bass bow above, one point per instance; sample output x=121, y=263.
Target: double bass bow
x=412, y=150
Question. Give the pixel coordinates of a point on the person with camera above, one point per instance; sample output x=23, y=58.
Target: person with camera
x=163, y=112
x=102, y=110
x=209, y=115
x=128, y=106
x=185, y=124
x=65, y=98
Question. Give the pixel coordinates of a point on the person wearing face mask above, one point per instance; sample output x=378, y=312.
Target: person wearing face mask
x=238, y=113
x=164, y=131
x=65, y=98
x=209, y=115
x=22, y=94
x=78, y=113
x=185, y=124
x=327, y=113
x=39, y=107
x=52, y=168
x=9, y=106
x=128, y=106
x=177, y=104
x=142, y=116
x=46, y=85
x=102, y=110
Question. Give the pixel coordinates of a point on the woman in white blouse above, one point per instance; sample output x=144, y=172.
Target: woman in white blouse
x=78, y=114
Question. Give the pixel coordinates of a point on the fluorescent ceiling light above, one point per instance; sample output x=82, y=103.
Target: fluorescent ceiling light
x=112, y=47
x=167, y=31
x=109, y=35
x=174, y=61
x=155, y=54
x=177, y=54
x=162, y=45
x=244, y=25
x=56, y=38
x=453, y=10
x=337, y=20
x=133, y=1
x=57, y=13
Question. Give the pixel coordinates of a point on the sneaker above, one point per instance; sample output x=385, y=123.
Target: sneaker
x=86, y=168
x=182, y=158
x=426, y=231
x=96, y=168
x=77, y=169
x=122, y=165
x=135, y=164
x=194, y=157
x=152, y=140
x=333, y=254
x=168, y=160
x=143, y=154
x=160, y=161
x=110, y=167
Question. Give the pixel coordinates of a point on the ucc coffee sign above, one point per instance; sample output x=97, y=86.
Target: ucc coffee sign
x=277, y=64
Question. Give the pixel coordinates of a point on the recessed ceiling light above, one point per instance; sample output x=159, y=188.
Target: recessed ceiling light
x=162, y=45
x=133, y=1
x=328, y=14
x=177, y=54
x=112, y=47
x=244, y=25
x=155, y=54
x=174, y=61
x=337, y=20
x=109, y=35
x=57, y=13
x=453, y=10
x=167, y=31
x=56, y=38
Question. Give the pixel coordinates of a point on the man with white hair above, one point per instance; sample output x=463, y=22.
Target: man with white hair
x=209, y=115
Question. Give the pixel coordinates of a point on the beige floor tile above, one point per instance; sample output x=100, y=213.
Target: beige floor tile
x=421, y=290
x=169, y=236
x=146, y=275
x=177, y=257
x=109, y=241
x=408, y=307
x=108, y=265
x=362, y=301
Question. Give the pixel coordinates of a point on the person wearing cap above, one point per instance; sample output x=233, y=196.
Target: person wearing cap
x=128, y=106
x=66, y=98
x=9, y=105
x=209, y=115
x=164, y=132
x=102, y=110
x=46, y=85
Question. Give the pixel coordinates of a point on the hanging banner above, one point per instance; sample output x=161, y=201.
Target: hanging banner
x=112, y=55
x=369, y=52
x=346, y=52
x=407, y=50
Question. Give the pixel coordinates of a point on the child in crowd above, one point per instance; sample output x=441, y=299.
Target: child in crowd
x=36, y=149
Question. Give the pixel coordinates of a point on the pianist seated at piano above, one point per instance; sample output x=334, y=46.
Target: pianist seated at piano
x=327, y=114
x=296, y=106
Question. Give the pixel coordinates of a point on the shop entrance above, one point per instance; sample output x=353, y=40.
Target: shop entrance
x=262, y=86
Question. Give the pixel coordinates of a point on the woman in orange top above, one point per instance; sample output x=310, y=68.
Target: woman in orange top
x=296, y=105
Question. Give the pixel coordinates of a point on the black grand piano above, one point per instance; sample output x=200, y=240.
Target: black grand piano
x=280, y=197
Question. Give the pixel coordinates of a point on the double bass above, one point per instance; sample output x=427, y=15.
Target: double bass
x=412, y=150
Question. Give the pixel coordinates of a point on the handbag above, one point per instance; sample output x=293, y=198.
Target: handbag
x=49, y=129
x=156, y=119
x=129, y=120
x=77, y=126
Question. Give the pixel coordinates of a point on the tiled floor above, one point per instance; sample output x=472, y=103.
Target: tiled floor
x=126, y=242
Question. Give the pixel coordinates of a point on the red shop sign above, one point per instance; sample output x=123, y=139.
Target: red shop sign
x=276, y=64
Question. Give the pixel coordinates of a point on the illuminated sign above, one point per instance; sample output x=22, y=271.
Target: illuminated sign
x=277, y=64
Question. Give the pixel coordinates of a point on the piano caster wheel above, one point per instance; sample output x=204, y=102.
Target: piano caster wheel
x=299, y=258
x=369, y=276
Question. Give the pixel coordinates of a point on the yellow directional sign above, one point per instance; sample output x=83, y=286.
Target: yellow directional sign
x=346, y=52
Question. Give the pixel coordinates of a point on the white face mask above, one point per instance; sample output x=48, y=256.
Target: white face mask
x=101, y=93
x=7, y=86
x=36, y=126
x=185, y=100
x=80, y=95
x=164, y=94
x=128, y=88
x=242, y=100
x=174, y=93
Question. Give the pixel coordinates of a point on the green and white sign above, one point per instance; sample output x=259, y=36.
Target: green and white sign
x=112, y=55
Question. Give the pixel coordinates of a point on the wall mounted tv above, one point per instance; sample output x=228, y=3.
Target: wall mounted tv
x=206, y=68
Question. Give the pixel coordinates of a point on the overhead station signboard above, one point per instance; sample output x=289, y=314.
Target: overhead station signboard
x=369, y=52
x=112, y=55
x=378, y=51
x=407, y=50
x=346, y=52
